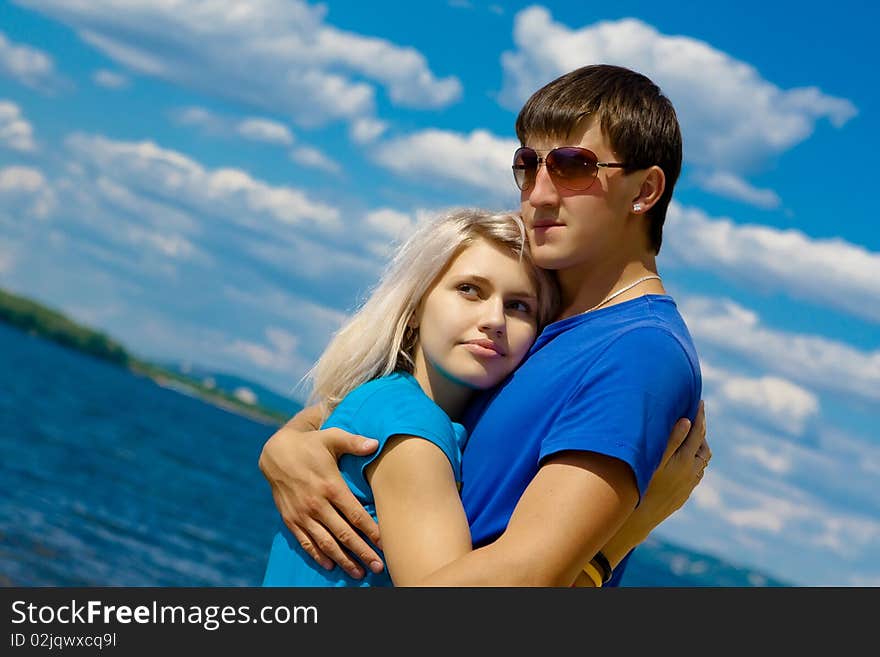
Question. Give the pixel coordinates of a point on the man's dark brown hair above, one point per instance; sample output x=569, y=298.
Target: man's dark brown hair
x=637, y=119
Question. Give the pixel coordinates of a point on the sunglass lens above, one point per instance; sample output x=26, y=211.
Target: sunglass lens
x=572, y=168
x=525, y=166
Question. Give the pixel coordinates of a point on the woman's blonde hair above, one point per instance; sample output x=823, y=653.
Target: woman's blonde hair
x=377, y=340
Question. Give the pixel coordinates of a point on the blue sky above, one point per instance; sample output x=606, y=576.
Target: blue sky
x=221, y=182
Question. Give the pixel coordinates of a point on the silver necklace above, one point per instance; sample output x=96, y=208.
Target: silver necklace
x=621, y=291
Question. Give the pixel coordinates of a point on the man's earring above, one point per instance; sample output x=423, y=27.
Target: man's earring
x=637, y=207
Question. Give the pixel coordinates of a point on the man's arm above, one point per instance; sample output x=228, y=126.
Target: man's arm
x=300, y=463
x=680, y=472
x=550, y=537
x=578, y=503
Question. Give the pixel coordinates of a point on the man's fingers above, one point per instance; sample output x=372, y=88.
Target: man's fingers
x=678, y=435
x=356, y=515
x=354, y=543
x=326, y=544
x=342, y=442
x=309, y=546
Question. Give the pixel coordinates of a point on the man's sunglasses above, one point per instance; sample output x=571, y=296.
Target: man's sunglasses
x=570, y=167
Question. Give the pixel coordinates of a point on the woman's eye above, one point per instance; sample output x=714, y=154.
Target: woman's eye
x=469, y=290
x=520, y=306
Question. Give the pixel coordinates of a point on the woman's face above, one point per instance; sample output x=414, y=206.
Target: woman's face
x=478, y=320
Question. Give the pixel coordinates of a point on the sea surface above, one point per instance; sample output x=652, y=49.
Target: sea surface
x=108, y=479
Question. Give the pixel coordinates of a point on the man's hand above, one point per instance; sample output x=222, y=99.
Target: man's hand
x=680, y=471
x=316, y=504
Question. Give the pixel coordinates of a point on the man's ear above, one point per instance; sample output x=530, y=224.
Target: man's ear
x=650, y=190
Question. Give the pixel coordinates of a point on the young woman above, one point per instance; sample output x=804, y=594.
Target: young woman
x=456, y=311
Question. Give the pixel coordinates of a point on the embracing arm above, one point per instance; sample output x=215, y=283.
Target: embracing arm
x=427, y=540
x=549, y=537
x=679, y=473
x=300, y=464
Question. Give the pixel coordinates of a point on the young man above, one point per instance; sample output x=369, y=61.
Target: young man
x=561, y=453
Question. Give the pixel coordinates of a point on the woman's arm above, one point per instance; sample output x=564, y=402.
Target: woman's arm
x=421, y=517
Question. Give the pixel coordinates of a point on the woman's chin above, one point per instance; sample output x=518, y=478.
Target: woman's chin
x=481, y=379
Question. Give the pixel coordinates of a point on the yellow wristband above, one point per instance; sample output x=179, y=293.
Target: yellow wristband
x=593, y=573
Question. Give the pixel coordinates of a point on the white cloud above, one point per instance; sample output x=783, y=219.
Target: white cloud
x=202, y=118
x=122, y=201
x=779, y=398
x=732, y=186
x=403, y=70
x=312, y=323
x=110, y=79
x=808, y=360
x=26, y=189
x=266, y=130
x=150, y=213
x=220, y=221
x=728, y=112
x=340, y=265
x=782, y=404
x=392, y=227
x=778, y=528
x=312, y=157
x=135, y=227
x=277, y=353
x=478, y=159
x=252, y=128
x=743, y=507
x=171, y=246
x=159, y=235
x=259, y=354
x=366, y=130
x=391, y=223
x=31, y=67
x=832, y=272
x=863, y=452
x=773, y=461
x=15, y=131
x=280, y=55
x=230, y=193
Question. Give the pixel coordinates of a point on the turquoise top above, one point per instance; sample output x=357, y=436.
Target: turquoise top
x=384, y=407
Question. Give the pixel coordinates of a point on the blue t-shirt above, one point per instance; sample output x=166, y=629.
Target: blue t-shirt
x=612, y=381
x=384, y=407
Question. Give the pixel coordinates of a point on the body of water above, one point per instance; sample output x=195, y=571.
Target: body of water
x=111, y=480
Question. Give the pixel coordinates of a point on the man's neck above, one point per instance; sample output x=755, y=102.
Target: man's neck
x=587, y=285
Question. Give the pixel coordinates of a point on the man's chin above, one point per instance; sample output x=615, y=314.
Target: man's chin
x=547, y=257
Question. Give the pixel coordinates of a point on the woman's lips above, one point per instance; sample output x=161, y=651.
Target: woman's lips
x=483, y=348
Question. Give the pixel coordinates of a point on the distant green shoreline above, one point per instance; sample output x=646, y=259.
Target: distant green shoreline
x=33, y=317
